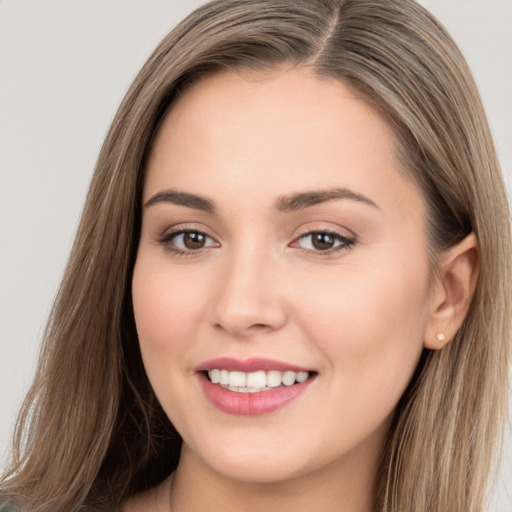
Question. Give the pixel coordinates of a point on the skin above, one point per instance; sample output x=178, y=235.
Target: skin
x=359, y=316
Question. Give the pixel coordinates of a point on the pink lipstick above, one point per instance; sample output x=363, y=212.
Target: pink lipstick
x=252, y=386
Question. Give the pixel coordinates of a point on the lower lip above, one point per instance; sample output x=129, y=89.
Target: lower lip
x=251, y=404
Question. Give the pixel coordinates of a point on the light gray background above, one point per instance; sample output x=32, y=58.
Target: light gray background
x=64, y=67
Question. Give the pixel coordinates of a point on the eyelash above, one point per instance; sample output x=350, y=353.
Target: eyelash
x=167, y=241
x=344, y=244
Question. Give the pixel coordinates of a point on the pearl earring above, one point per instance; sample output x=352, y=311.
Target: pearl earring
x=440, y=337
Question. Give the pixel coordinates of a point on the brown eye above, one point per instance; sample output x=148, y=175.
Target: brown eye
x=194, y=240
x=322, y=241
x=183, y=242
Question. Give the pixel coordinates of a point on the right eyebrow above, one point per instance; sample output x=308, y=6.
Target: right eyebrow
x=303, y=200
x=183, y=199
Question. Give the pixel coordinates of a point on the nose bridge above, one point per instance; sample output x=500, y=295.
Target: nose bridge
x=249, y=296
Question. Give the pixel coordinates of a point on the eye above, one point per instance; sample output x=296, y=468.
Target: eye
x=186, y=241
x=323, y=241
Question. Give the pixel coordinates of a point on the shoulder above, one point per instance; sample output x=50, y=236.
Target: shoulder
x=8, y=507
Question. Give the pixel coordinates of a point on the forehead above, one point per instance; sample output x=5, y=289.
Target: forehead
x=275, y=133
x=296, y=99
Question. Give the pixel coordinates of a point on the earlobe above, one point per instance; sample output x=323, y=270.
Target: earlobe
x=453, y=291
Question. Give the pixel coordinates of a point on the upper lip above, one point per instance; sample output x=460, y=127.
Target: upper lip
x=252, y=364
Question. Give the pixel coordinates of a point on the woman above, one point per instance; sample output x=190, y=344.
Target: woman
x=291, y=270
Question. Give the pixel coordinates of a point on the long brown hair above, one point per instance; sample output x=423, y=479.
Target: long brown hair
x=91, y=431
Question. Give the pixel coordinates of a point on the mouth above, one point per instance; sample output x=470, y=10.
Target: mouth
x=253, y=386
x=255, y=382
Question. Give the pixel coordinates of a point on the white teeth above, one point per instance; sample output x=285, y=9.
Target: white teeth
x=302, y=376
x=244, y=390
x=255, y=381
x=215, y=376
x=224, y=377
x=237, y=379
x=288, y=378
x=273, y=379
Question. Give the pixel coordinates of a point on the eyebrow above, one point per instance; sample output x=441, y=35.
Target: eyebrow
x=290, y=203
x=183, y=199
x=304, y=200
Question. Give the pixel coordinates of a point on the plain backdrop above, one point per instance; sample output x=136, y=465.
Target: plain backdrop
x=64, y=67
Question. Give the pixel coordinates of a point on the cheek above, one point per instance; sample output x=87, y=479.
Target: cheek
x=167, y=312
x=167, y=315
x=370, y=326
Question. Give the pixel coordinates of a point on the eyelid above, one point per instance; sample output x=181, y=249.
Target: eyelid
x=184, y=227
x=168, y=235
x=343, y=241
x=347, y=242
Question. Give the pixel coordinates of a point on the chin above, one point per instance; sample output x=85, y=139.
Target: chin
x=256, y=459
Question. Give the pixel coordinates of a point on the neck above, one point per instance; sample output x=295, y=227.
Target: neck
x=346, y=486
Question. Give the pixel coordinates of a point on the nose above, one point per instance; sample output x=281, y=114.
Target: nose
x=250, y=298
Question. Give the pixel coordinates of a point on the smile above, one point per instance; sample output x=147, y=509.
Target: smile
x=254, y=382
x=253, y=386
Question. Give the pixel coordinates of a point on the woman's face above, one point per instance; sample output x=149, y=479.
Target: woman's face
x=279, y=243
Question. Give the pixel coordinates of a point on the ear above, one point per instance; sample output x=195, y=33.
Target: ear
x=453, y=291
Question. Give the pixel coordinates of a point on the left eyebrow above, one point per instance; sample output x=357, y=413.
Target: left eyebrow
x=183, y=199
x=302, y=200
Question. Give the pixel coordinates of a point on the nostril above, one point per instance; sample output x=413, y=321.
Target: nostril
x=242, y=319
x=240, y=330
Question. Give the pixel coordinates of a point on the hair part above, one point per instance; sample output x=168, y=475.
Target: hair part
x=91, y=407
